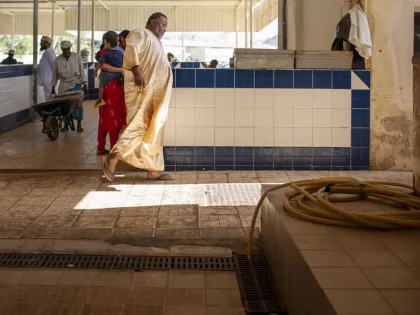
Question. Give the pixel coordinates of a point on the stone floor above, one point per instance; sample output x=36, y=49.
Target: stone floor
x=88, y=292
x=27, y=148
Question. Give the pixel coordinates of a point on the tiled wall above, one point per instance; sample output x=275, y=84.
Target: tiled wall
x=226, y=119
x=15, y=96
x=291, y=119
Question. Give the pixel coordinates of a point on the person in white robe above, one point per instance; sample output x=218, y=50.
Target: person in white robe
x=68, y=68
x=147, y=88
x=45, y=68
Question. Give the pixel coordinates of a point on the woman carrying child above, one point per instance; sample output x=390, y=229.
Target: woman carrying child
x=111, y=105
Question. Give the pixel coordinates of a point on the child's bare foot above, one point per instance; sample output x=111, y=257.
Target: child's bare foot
x=99, y=103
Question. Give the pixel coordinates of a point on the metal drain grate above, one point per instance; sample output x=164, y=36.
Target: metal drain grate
x=115, y=262
x=257, y=290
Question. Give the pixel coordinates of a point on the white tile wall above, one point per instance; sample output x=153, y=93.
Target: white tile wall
x=185, y=97
x=244, y=137
x=16, y=94
x=260, y=117
x=264, y=98
x=170, y=136
x=244, y=97
x=224, y=137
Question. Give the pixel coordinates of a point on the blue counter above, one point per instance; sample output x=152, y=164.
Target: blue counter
x=15, y=96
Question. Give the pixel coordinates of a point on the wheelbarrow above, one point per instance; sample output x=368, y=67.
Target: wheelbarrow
x=58, y=110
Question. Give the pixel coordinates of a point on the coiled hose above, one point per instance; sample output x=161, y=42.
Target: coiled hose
x=324, y=192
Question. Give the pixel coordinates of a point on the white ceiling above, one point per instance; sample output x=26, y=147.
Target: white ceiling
x=26, y=6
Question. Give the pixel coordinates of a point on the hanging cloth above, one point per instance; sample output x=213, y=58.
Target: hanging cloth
x=359, y=34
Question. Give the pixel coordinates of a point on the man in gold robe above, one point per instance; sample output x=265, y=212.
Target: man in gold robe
x=147, y=88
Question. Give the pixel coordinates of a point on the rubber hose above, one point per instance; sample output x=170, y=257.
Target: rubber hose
x=326, y=191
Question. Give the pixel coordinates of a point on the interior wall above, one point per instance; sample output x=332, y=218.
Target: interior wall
x=392, y=27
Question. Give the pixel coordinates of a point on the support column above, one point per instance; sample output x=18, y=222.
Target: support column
x=53, y=22
x=79, y=18
x=35, y=53
x=92, y=45
x=236, y=26
x=251, y=26
x=13, y=31
x=416, y=122
x=246, y=24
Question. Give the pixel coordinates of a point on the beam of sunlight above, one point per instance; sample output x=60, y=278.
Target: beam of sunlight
x=146, y=195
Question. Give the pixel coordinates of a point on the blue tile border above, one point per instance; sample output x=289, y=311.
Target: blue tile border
x=265, y=158
x=15, y=120
x=16, y=71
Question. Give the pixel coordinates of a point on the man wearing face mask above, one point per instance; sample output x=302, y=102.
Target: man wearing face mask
x=68, y=68
x=147, y=88
x=45, y=68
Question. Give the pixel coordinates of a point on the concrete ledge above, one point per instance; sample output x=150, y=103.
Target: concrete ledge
x=319, y=269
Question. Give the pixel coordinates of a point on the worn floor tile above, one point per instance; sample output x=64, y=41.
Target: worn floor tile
x=103, y=308
x=78, y=278
x=185, y=297
x=69, y=294
x=107, y=278
x=150, y=279
x=186, y=279
x=143, y=310
x=185, y=310
x=11, y=276
x=41, y=277
x=221, y=280
x=108, y=295
x=221, y=297
x=147, y=296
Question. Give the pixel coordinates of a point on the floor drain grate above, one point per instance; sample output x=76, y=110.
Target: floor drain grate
x=257, y=290
x=115, y=262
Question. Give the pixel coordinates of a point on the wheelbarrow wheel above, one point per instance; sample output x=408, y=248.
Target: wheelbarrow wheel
x=51, y=127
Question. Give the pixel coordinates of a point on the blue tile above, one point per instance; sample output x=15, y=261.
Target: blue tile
x=187, y=65
x=322, y=79
x=360, y=137
x=174, y=64
x=263, y=156
x=303, y=79
x=185, y=156
x=341, y=157
x=322, y=152
x=359, y=157
x=170, y=168
x=224, y=156
x=360, y=168
x=204, y=168
x=225, y=78
x=283, y=167
x=283, y=161
x=283, y=79
x=321, y=168
x=302, y=168
x=302, y=157
x=204, y=156
x=244, y=79
x=169, y=155
x=244, y=168
x=342, y=79
x=283, y=151
x=185, y=78
x=244, y=156
x=360, y=99
x=360, y=118
x=185, y=168
x=264, y=79
x=341, y=168
x=263, y=167
x=196, y=65
x=205, y=78
x=364, y=76
x=224, y=167
x=322, y=161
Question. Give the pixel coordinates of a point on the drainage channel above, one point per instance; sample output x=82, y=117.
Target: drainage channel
x=257, y=290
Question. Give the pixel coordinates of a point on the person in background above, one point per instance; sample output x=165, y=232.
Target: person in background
x=84, y=54
x=171, y=57
x=112, y=57
x=147, y=89
x=122, y=37
x=213, y=64
x=68, y=68
x=10, y=60
x=45, y=68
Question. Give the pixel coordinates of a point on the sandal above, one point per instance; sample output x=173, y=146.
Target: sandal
x=163, y=176
x=109, y=175
x=80, y=129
